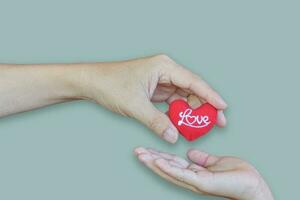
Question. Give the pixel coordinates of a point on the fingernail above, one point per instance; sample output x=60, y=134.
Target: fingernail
x=221, y=120
x=170, y=135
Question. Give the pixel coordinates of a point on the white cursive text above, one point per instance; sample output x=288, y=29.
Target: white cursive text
x=193, y=121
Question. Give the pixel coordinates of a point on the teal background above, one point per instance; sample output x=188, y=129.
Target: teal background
x=247, y=50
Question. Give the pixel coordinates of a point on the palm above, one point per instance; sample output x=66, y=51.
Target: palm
x=241, y=178
x=219, y=176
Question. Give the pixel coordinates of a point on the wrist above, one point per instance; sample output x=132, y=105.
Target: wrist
x=69, y=78
x=85, y=80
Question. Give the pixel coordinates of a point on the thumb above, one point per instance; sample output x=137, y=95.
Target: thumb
x=158, y=122
x=202, y=158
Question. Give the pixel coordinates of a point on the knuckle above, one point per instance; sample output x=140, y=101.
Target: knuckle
x=211, y=94
x=189, y=74
x=163, y=57
x=193, y=78
x=158, y=124
x=163, y=60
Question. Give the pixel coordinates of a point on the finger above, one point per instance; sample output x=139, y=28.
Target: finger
x=204, y=180
x=167, y=156
x=145, y=158
x=202, y=158
x=221, y=120
x=184, y=175
x=183, y=92
x=176, y=164
x=184, y=78
x=171, y=157
x=139, y=150
x=148, y=161
x=151, y=154
x=215, y=163
x=195, y=168
x=157, y=121
x=163, y=92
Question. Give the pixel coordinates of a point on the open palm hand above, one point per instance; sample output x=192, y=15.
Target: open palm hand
x=206, y=174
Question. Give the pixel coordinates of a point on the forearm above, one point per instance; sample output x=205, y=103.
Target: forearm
x=26, y=87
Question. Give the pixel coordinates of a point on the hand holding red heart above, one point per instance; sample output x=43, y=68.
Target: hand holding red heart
x=192, y=123
x=131, y=87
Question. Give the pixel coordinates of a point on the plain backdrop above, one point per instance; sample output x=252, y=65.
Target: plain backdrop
x=247, y=50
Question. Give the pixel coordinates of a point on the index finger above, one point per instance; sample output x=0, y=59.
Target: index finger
x=185, y=79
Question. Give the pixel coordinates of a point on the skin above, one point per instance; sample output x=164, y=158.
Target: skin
x=130, y=88
x=113, y=85
x=206, y=174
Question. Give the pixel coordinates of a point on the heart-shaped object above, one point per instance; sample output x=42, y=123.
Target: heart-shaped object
x=192, y=123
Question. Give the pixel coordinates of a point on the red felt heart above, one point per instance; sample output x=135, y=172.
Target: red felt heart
x=192, y=123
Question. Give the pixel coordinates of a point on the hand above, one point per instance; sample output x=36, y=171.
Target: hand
x=227, y=177
x=130, y=87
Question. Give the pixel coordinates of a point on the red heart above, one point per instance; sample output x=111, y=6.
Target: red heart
x=192, y=123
